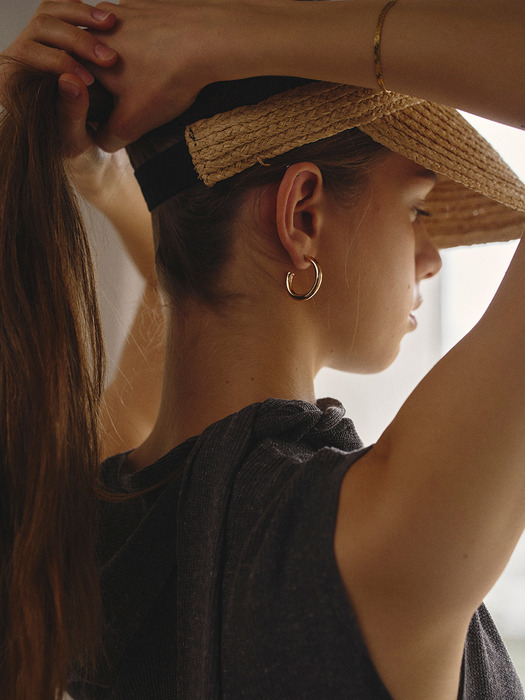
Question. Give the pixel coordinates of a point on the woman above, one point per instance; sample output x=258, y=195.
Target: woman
x=232, y=572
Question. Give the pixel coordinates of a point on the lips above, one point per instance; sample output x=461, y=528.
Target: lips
x=411, y=316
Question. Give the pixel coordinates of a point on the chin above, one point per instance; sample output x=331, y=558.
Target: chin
x=372, y=363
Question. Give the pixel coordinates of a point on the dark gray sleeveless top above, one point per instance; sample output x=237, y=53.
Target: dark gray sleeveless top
x=222, y=582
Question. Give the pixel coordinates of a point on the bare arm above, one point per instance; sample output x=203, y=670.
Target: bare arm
x=464, y=53
x=131, y=401
x=430, y=516
x=108, y=183
x=468, y=55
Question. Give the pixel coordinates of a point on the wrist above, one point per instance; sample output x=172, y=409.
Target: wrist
x=242, y=39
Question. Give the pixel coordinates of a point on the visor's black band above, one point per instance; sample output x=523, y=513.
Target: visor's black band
x=166, y=174
x=171, y=171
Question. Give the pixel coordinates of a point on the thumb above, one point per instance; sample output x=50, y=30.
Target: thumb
x=72, y=107
x=111, y=136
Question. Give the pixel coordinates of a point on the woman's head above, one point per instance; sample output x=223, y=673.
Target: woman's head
x=333, y=200
x=266, y=206
x=377, y=256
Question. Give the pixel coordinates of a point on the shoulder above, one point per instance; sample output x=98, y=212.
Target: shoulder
x=421, y=642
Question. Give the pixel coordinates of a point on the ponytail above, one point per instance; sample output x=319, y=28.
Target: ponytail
x=51, y=377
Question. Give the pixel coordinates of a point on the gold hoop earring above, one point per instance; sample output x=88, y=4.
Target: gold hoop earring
x=315, y=287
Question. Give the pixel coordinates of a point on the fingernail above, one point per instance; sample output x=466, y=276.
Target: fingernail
x=104, y=52
x=84, y=75
x=69, y=89
x=100, y=15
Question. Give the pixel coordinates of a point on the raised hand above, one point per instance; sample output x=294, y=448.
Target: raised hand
x=53, y=40
x=168, y=51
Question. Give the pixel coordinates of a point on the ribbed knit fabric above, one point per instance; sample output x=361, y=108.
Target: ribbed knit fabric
x=223, y=583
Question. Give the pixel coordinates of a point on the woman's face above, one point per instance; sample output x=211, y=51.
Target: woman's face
x=374, y=257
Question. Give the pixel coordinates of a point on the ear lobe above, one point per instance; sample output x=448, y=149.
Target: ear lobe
x=299, y=212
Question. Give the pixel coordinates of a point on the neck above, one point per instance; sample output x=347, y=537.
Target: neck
x=215, y=367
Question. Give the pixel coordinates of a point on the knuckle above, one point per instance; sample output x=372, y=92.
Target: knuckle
x=42, y=8
x=32, y=55
x=62, y=62
x=27, y=52
x=50, y=6
x=20, y=50
x=40, y=21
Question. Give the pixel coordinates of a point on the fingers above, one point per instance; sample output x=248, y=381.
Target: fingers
x=54, y=32
x=53, y=36
x=72, y=107
x=108, y=6
x=74, y=12
x=54, y=61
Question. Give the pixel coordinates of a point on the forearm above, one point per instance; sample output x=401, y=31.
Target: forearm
x=128, y=212
x=465, y=54
x=117, y=195
x=131, y=401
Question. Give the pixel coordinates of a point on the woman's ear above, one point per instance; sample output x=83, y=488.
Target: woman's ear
x=299, y=208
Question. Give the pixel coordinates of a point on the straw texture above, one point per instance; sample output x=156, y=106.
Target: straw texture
x=474, y=180
x=478, y=198
x=228, y=143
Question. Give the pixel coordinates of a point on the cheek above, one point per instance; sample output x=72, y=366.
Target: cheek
x=372, y=280
x=363, y=323
x=391, y=299
x=388, y=269
x=386, y=296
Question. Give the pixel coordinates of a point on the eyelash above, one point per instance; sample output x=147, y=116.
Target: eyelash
x=421, y=212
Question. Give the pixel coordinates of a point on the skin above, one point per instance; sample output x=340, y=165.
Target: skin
x=456, y=450
x=268, y=344
x=464, y=54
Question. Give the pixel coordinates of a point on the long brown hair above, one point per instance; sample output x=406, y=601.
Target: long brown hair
x=51, y=368
x=51, y=375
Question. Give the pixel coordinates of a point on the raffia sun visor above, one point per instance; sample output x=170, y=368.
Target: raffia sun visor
x=478, y=198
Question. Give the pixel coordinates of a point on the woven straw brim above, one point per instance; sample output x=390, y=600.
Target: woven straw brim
x=478, y=198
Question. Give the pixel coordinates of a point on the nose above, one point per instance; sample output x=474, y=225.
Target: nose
x=428, y=259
